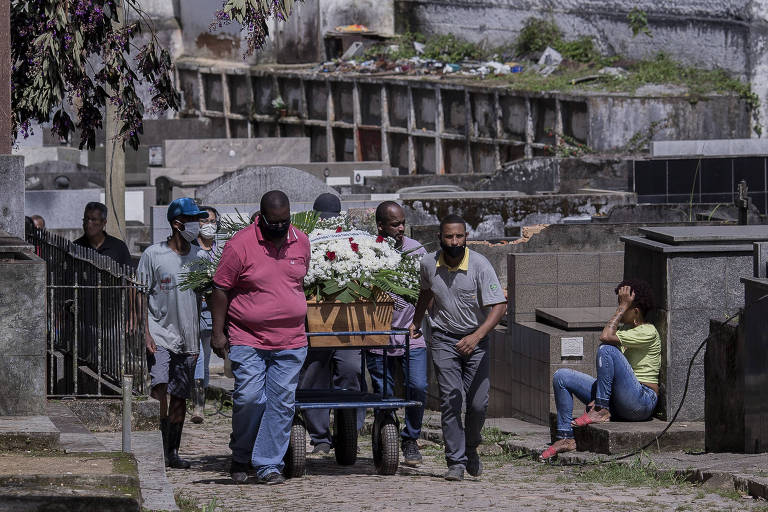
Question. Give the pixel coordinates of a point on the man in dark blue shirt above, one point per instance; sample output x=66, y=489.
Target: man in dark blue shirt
x=94, y=222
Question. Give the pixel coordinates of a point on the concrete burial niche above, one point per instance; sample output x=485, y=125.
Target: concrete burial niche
x=22, y=329
x=695, y=273
x=558, y=304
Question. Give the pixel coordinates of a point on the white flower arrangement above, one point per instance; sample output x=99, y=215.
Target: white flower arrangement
x=345, y=264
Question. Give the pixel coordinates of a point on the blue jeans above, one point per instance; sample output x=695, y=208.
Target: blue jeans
x=417, y=380
x=264, y=395
x=204, y=360
x=615, y=388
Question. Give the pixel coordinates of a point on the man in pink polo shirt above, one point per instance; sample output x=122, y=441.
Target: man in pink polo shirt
x=258, y=309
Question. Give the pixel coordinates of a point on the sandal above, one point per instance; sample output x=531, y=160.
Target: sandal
x=586, y=419
x=552, y=450
x=582, y=421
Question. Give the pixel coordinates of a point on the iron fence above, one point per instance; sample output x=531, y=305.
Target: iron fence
x=96, y=320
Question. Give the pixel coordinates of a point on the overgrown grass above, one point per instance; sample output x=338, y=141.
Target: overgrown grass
x=187, y=504
x=634, y=474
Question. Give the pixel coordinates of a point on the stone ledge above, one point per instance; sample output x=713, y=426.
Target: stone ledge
x=106, y=415
x=28, y=433
x=618, y=437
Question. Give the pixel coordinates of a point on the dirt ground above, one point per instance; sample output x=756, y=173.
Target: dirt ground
x=508, y=483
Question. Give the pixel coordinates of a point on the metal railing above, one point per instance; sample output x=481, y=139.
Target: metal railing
x=95, y=310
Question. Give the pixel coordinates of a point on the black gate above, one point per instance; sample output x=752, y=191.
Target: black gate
x=96, y=320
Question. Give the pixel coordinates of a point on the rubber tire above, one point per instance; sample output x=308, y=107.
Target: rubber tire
x=386, y=452
x=296, y=457
x=345, y=438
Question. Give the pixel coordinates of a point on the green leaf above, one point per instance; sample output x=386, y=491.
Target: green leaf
x=365, y=293
x=345, y=297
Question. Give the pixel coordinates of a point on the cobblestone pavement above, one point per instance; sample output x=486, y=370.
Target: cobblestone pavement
x=506, y=484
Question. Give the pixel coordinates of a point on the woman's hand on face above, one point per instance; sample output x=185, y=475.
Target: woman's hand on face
x=626, y=296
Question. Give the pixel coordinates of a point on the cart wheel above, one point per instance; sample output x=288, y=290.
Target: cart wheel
x=345, y=439
x=386, y=449
x=296, y=457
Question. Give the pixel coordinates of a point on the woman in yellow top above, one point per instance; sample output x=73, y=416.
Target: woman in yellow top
x=628, y=363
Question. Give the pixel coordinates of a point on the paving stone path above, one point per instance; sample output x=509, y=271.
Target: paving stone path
x=506, y=484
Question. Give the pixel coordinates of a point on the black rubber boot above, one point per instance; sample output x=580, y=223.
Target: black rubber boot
x=164, y=432
x=174, y=440
x=198, y=401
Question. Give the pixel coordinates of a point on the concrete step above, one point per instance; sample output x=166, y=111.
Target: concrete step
x=617, y=437
x=21, y=433
x=104, y=482
x=74, y=436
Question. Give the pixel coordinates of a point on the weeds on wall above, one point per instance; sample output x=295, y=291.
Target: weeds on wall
x=582, y=68
x=638, y=22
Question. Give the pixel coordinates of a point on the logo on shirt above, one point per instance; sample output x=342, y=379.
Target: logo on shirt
x=494, y=287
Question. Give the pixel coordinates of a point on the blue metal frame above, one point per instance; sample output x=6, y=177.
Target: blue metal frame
x=346, y=399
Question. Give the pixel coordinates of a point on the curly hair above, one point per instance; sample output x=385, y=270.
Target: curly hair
x=643, y=294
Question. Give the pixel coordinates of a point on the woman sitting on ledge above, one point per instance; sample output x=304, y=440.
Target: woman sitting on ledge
x=628, y=362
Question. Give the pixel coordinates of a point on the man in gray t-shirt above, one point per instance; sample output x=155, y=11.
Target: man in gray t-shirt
x=468, y=303
x=172, y=322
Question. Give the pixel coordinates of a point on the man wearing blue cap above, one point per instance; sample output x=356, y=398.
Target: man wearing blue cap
x=172, y=334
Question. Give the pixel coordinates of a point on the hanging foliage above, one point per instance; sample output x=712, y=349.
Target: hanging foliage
x=253, y=16
x=74, y=56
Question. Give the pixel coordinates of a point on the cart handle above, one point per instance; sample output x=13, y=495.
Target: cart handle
x=356, y=333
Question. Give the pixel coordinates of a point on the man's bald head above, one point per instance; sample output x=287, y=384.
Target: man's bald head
x=386, y=209
x=274, y=200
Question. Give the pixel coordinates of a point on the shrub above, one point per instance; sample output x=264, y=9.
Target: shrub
x=537, y=34
x=449, y=48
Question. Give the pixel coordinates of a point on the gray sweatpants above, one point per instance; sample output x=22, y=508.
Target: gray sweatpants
x=328, y=369
x=458, y=377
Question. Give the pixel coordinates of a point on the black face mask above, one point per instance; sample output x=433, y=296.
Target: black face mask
x=272, y=233
x=452, y=251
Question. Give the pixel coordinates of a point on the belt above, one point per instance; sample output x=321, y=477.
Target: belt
x=449, y=334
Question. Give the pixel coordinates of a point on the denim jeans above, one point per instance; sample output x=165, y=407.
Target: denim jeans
x=615, y=388
x=264, y=396
x=417, y=381
x=204, y=360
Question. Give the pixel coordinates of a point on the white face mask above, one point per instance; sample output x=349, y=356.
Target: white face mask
x=190, y=231
x=208, y=231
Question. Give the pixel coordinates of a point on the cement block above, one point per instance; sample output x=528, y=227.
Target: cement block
x=693, y=408
x=578, y=268
x=28, y=433
x=529, y=268
x=12, y=195
x=608, y=296
x=22, y=313
x=235, y=153
x=736, y=267
x=589, y=344
x=622, y=437
x=611, y=267
x=687, y=329
x=697, y=281
x=528, y=297
x=578, y=295
x=22, y=387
